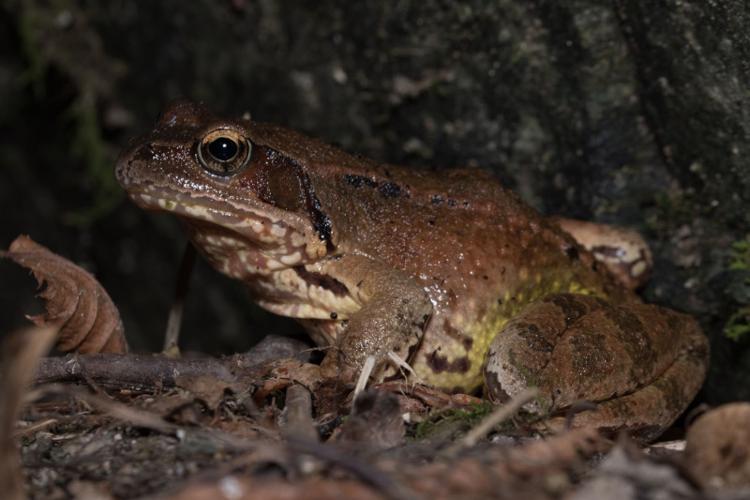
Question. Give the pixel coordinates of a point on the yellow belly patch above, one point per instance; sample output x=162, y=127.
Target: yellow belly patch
x=483, y=332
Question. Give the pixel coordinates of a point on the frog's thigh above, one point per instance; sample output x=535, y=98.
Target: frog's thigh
x=643, y=363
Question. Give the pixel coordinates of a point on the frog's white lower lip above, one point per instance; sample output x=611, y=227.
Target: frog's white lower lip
x=220, y=212
x=282, y=244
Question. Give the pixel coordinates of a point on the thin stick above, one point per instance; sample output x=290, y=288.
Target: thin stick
x=299, y=421
x=500, y=414
x=174, y=321
x=35, y=427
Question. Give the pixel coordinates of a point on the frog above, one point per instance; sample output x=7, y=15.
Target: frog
x=445, y=278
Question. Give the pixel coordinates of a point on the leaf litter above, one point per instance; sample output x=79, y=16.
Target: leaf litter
x=103, y=423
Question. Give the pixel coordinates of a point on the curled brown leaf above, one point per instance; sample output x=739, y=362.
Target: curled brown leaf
x=75, y=302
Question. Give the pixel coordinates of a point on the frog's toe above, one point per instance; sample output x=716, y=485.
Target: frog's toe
x=389, y=362
x=643, y=364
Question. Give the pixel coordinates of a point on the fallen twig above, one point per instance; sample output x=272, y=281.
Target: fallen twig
x=134, y=372
x=174, y=321
x=151, y=372
x=500, y=414
x=299, y=421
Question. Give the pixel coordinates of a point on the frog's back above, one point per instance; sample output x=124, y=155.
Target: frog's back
x=455, y=227
x=461, y=187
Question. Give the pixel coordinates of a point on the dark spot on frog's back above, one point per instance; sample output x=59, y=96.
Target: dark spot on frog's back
x=624, y=319
x=632, y=334
x=390, y=190
x=440, y=364
x=323, y=281
x=386, y=189
x=534, y=337
x=359, y=181
x=572, y=306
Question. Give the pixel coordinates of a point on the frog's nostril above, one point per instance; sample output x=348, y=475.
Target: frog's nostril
x=145, y=153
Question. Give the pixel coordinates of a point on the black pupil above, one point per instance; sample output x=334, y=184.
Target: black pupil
x=223, y=149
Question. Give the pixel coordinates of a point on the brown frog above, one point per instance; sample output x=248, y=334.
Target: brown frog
x=448, y=272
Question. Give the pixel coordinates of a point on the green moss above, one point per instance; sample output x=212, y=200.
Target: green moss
x=57, y=36
x=90, y=148
x=738, y=326
x=466, y=417
x=740, y=257
x=36, y=62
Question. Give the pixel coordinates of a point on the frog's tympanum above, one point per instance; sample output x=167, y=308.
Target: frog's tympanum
x=447, y=270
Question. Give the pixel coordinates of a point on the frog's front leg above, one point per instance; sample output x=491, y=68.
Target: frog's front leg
x=393, y=314
x=641, y=363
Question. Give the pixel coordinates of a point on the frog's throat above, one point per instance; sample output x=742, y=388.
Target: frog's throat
x=238, y=240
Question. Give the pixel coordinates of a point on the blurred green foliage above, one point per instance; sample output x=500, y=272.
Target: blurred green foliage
x=738, y=325
x=57, y=37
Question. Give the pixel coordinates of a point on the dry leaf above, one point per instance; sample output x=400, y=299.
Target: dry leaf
x=21, y=352
x=76, y=303
x=718, y=447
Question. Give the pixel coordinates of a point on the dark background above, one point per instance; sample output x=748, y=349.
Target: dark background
x=634, y=112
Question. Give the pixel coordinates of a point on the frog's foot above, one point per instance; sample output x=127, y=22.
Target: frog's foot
x=383, y=334
x=387, y=328
x=641, y=363
x=623, y=251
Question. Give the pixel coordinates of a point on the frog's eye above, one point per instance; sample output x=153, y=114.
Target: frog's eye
x=223, y=152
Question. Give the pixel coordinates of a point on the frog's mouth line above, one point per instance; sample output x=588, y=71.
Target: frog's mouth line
x=273, y=243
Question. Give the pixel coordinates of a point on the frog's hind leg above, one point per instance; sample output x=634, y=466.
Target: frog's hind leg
x=642, y=363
